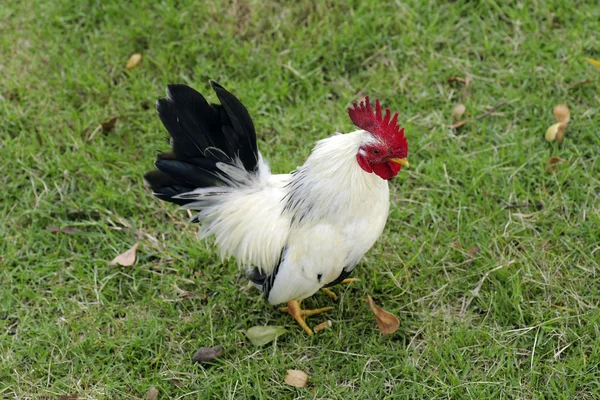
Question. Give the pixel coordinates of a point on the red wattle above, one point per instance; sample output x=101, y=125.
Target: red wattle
x=364, y=163
x=387, y=170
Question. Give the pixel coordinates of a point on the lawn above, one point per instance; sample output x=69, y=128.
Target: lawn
x=490, y=258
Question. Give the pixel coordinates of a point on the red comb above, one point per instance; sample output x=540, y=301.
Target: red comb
x=362, y=116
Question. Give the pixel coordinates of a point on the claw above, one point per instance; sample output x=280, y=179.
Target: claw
x=346, y=281
x=300, y=315
x=330, y=293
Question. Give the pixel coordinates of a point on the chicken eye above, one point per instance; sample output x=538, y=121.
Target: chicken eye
x=375, y=151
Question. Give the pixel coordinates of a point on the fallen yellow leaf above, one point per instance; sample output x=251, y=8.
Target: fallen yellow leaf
x=126, y=259
x=133, y=61
x=555, y=130
x=595, y=63
x=458, y=111
x=296, y=378
x=261, y=335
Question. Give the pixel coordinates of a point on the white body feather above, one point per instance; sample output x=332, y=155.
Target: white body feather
x=308, y=225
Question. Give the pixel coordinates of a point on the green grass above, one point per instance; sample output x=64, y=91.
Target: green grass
x=70, y=323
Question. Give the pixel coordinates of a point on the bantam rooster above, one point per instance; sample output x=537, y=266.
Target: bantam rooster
x=293, y=233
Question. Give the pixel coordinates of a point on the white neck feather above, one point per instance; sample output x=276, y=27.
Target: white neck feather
x=331, y=182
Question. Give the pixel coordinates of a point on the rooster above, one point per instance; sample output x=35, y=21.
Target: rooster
x=292, y=233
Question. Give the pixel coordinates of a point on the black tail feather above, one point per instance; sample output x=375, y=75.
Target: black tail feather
x=190, y=175
x=242, y=125
x=202, y=135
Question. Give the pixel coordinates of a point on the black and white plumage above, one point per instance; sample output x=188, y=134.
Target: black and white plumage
x=294, y=233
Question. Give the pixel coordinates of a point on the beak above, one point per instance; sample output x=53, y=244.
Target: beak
x=401, y=161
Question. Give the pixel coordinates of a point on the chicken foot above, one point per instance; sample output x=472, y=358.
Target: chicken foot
x=300, y=315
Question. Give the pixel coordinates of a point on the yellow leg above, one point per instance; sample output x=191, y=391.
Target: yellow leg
x=332, y=294
x=300, y=315
x=329, y=293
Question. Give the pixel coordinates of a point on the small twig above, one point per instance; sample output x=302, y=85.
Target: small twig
x=98, y=128
x=491, y=110
x=465, y=91
x=558, y=353
x=580, y=83
x=465, y=81
x=459, y=124
x=374, y=55
x=480, y=116
x=507, y=205
x=534, y=345
x=475, y=292
x=495, y=197
x=293, y=70
x=537, y=204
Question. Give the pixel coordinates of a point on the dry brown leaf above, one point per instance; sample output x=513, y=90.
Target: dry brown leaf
x=67, y=230
x=126, y=259
x=556, y=160
x=472, y=251
x=133, y=61
x=323, y=325
x=458, y=111
x=557, y=131
x=595, y=63
x=176, y=382
x=465, y=81
x=386, y=322
x=561, y=131
x=296, y=378
x=54, y=229
x=152, y=393
x=552, y=164
x=207, y=354
x=108, y=126
x=562, y=113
